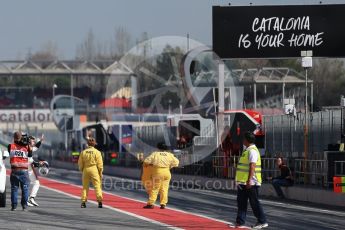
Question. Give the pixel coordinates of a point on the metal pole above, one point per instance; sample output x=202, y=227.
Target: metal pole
x=65, y=133
x=72, y=96
x=282, y=133
x=273, y=137
x=306, y=127
x=220, y=99
x=134, y=92
x=311, y=96
x=306, y=116
x=254, y=95
x=341, y=121
x=283, y=94
x=291, y=141
x=342, y=125
x=169, y=106
x=216, y=116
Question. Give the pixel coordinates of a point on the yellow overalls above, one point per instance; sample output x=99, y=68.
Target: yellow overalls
x=146, y=177
x=91, y=165
x=162, y=162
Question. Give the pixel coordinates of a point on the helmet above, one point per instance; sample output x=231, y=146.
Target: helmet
x=43, y=168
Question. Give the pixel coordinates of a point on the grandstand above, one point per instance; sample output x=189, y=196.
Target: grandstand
x=87, y=80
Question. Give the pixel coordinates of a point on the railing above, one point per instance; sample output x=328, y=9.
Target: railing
x=204, y=140
x=311, y=172
x=305, y=172
x=269, y=168
x=224, y=167
x=208, y=131
x=339, y=168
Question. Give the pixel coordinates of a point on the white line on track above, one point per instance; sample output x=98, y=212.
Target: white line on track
x=144, y=202
x=287, y=205
x=107, y=206
x=115, y=209
x=272, y=203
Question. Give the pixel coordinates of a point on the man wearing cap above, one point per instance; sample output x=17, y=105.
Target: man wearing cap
x=161, y=161
x=19, y=151
x=91, y=165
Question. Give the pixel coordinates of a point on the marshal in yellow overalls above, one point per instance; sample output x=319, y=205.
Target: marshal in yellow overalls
x=91, y=165
x=162, y=161
x=146, y=177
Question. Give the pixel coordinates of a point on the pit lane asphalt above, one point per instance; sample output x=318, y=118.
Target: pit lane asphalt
x=57, y=211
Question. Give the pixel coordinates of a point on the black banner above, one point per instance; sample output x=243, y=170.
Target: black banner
x=278, y=31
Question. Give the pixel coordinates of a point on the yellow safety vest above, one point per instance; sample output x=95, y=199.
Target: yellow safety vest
x=242, y=169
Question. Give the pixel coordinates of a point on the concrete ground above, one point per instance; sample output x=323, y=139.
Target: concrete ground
x=58, y=211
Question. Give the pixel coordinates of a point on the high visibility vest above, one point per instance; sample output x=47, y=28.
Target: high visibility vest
x=242, y=169
x=19, y=156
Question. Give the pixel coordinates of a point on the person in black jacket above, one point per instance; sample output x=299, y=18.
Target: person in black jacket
x=285, y=178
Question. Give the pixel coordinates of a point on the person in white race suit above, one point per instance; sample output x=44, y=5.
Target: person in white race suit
x=34, y=181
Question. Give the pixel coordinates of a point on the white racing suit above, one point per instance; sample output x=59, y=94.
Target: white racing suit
x=33, y=178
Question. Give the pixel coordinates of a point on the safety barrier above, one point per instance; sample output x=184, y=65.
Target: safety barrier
x=204, y=141
x=306, y=172
x=311, y=172
x=208, y=131
x=339, y=168
x=224, y=167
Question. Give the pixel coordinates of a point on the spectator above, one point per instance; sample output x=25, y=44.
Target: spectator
x=285, y=178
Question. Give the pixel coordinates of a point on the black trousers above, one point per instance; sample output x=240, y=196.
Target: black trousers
x=252, y=194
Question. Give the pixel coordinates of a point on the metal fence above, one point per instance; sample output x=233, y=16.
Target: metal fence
x=225, y=167
x=305, y=172
x=311, y=172
x=339, y=168
x=285, y=133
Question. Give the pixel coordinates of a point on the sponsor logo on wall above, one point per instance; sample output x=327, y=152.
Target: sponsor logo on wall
x=25, y=115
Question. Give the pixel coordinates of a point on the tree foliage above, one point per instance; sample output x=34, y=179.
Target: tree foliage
x=48, y=52
x=122, y=40
x=329, y=81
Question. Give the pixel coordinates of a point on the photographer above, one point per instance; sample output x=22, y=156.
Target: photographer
x=20, y=151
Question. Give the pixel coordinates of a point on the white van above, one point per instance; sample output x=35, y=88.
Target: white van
x=3, y=153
